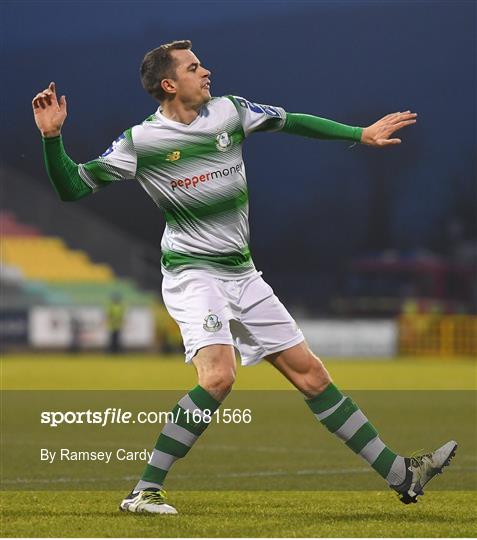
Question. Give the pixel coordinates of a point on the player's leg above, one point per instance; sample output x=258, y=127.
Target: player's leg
x=341, y=416
x=338, y=413
x=215, y=366
x=200, y=307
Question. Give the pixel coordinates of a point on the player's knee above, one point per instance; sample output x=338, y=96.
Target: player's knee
x=216, y=370
x=218, y=384
x=316, y=379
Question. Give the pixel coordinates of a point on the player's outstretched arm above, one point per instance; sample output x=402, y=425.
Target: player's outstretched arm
x=379, y=133
x=50, y=114
x=316, y=127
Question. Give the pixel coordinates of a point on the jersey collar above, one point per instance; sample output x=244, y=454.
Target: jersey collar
x=203, y=112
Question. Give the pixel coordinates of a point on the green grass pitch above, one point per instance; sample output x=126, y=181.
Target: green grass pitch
x=277, y=503
x=242, y=514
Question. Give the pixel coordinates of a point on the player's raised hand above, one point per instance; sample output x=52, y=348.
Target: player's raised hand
x=378, y=133
x=50, y=113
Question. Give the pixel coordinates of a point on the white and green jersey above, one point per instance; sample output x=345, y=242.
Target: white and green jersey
x=196, y=175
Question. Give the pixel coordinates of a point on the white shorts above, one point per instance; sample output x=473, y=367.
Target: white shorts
x=244, y=313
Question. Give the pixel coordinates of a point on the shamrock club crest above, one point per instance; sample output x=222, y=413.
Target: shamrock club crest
x=223, y=142
x=212, y=323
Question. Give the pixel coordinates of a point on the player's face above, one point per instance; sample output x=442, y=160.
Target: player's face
x=191, y=83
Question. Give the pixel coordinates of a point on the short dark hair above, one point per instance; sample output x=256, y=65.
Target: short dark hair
x=158, y=65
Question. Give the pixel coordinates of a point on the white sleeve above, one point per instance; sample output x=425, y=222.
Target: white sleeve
x=118, y=162
x=257, y=117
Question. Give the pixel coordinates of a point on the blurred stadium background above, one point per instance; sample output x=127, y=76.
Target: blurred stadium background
x=374, y=252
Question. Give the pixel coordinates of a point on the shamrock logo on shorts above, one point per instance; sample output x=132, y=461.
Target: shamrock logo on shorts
x=212, y=323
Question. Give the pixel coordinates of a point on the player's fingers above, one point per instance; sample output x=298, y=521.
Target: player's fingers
x=402, y=124
x=405, y=116
x=389, y=119
x=35, y=102
x=389, y=116
x=49, y=97
x=51, y=91
x=388, y=142
x=40, y=103
x=43, y=94
x=62, y=103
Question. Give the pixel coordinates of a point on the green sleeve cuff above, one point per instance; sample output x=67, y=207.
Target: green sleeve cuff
x=308, y=125
x=63, y=171
x=51, y=140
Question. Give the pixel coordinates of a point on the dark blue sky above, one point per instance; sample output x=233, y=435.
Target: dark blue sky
x=349, y=61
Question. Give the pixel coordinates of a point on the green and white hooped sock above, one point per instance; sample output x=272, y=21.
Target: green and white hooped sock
x=178, y=436
x=341, y=416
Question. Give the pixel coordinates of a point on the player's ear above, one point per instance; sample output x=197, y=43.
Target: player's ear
x=168, y=86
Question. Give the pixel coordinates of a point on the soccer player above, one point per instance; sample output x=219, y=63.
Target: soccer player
x=188, y=158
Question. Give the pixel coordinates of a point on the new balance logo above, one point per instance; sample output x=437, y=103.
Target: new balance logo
x=173, y=156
